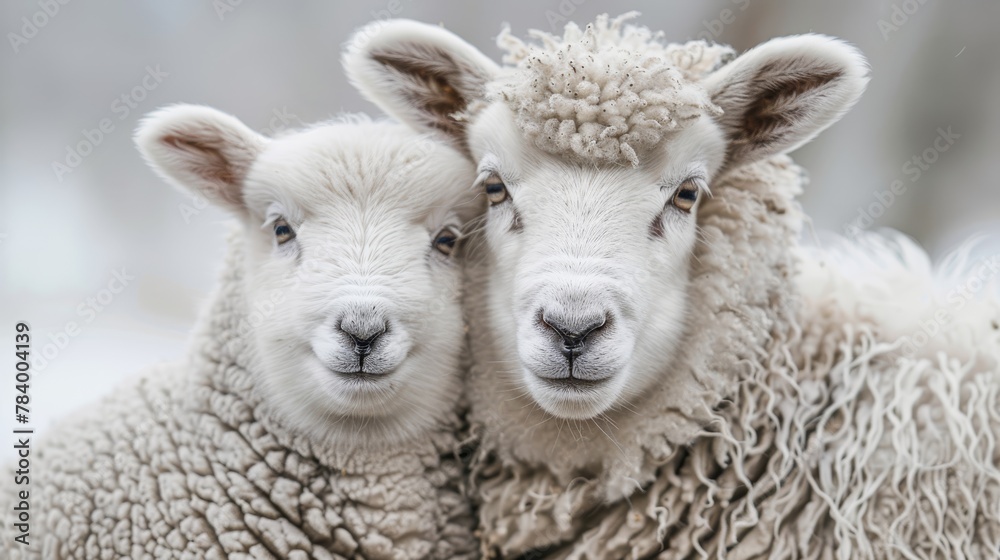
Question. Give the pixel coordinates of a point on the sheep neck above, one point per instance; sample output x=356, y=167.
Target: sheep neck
x=742, y=300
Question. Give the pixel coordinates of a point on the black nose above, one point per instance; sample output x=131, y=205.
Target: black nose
x=574, y=332
x=363, y=336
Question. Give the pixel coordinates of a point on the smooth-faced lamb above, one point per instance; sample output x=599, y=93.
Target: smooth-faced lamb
x=315, y=416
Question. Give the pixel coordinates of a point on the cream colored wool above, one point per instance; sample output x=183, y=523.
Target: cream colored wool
x=527, y=505
x=816, y=431
x=807, y=423
x=606, y=94
x=797, y=418
x=189, y=462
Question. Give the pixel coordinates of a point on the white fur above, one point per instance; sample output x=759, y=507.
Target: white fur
x=265, y=442
x=362, y=252
x=596, y=263
x=607, y=94
x=751, y=418
x=763, y=68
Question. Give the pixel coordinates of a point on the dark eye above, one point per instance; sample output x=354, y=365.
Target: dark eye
x=445, y=240
x=282, y=231
x=686, y=195
x=496, y=191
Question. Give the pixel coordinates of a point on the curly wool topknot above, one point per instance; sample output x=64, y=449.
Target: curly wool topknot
x=606, y=94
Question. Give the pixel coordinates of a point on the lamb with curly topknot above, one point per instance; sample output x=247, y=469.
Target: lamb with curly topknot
x=661, y=368
x=605, y=94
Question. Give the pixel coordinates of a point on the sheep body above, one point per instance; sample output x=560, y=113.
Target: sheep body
x=194, y=460
x=184, y=463
x=800, y=420
x=838, y=437
x=659, y=373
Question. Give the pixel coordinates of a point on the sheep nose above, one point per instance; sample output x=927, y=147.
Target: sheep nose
x=363, y=336
x=574, y=331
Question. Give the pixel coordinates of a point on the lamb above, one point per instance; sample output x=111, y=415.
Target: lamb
x=316, y=415
x=660, y=367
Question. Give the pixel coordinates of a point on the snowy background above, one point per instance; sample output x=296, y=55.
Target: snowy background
x=68, y=224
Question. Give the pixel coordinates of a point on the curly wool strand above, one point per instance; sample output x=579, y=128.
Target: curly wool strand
x=836, y=443
x=608, y=94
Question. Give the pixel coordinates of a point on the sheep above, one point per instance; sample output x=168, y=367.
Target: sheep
x=316, y=415
x=660, y=367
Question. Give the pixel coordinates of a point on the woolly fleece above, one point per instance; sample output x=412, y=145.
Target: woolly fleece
x=818, y=429
x=607, y=94
x=188, y=462
x=799, y=419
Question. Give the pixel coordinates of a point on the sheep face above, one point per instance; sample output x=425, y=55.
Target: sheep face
x=592, y=263
x=351, y=285
x=593, y=150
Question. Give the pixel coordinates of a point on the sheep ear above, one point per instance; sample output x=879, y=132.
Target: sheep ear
x=200, y=149
x=782, y=93
x=420, y=74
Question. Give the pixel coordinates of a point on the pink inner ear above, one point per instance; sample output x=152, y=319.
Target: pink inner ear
x=208, y=162
x=781, y=97
x=775, y=107
x=435, y=93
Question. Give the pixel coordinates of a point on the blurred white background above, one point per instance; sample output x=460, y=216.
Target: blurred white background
x=65, y=231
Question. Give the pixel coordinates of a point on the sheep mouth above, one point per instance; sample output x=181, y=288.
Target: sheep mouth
x=359, y=376
x=574, y=384
x=572, y=397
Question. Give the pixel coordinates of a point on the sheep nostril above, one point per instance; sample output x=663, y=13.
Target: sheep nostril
x=574, y=333
x=363, y=347
x=363, y=338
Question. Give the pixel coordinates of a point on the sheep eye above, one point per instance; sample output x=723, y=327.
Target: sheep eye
x=282, y=231
x=445, y=240
x=686, y=195
x=496, y=191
